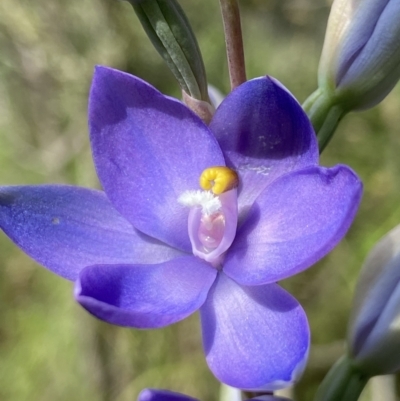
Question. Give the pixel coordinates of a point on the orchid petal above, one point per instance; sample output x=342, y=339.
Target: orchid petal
x=66, y=228
x=148, y=149
x=145, y=296
x=264, y=133
x=296, y=221
x=246, y=333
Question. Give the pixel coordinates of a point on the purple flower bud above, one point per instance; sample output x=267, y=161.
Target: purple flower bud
x=374, y=329
x=360, y=62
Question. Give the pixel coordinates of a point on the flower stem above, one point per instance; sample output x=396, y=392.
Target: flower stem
x=234, y=42
x=325, y=115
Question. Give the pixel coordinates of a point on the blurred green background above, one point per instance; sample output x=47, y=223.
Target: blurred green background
x=50, y=348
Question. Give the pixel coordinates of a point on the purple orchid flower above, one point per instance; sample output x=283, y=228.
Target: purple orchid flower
x=150, y=394
x=153, y=247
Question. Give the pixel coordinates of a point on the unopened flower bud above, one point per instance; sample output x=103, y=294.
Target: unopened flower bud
x=360, y=62
x=374, y=328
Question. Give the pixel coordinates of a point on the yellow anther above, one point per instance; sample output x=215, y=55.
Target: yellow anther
x=219, y=179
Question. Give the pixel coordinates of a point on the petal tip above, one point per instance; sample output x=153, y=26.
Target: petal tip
x=294, y=377
x=100, y=71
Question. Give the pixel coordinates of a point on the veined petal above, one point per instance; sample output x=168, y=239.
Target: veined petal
x=66, y=228
x=351, y=25
x=376, y=69
x=361, y=23
x=296, y=221
x=263, y=133
x=150, y=394
x=145, y=296
x=148, y=149
x=246, y=332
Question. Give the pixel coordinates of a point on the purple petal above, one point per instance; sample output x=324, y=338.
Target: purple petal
x=296, y=221
x=67, y=228
x=264, y=133
x=254, y=337
x=148, y=149
x=150, y=394
x=145, y=296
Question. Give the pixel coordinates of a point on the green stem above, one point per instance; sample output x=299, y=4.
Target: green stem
x=329, y=126
x=325, y=115
x=234, y=42
x=342, y=383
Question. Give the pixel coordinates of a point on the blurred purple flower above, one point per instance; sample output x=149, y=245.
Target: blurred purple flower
x=150, y=394
x=374, y=330
x=128, y=248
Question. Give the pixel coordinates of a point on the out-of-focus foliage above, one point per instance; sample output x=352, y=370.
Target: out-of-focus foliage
x=49, y=347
